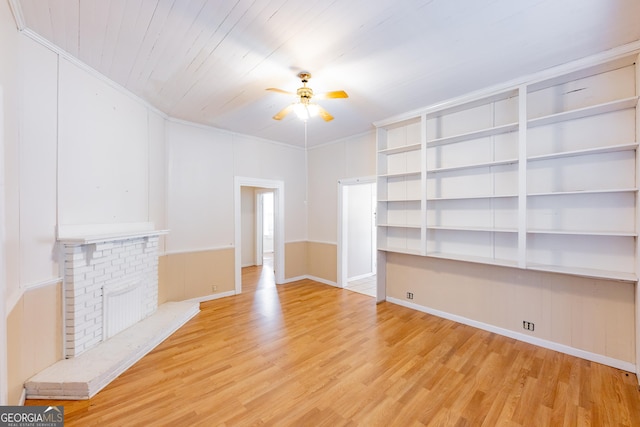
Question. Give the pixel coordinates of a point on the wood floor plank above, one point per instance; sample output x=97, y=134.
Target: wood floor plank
x=308, y=354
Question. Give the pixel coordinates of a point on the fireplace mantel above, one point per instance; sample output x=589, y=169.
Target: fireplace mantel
x=87, y=234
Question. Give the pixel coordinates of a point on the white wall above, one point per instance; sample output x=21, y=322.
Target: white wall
x=3, y=314
x=259, y=158
x=88, y=154
x=38, y=163
x=202, y=165
x=158, y=174
x=10, y=81
x=103, y=151
x=348, y=158
x=200, y=189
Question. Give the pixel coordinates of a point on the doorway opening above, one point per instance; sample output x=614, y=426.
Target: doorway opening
x=357, y=254
x=259, y=224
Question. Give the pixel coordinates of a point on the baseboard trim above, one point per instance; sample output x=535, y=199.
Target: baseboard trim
x=294, y=279
x=572, y=351
x=324, y=281
x=310, y=277
x=212, y=296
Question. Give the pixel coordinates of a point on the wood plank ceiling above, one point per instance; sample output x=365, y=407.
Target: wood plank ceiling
x=209, y=61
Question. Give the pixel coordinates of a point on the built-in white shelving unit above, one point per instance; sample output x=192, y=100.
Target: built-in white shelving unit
x=542, y=176
x=400, y=183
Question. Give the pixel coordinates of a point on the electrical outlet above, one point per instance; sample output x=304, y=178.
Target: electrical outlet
x=529, y=326
x=214, y=288
x=409, y=295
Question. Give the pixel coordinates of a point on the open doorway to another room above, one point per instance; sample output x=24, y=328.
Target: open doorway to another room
x=357, y=235
x=259, y=233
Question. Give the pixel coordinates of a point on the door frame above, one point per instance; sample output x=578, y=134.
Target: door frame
x=278, y=233
x=343, y=229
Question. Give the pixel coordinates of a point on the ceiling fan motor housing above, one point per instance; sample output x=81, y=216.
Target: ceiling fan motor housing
x=305, y=93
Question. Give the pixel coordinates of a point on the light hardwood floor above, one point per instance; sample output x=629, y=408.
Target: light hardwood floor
x=308, y=354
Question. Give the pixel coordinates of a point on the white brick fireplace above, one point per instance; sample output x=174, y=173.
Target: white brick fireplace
x=112, y=318
x=110, y=283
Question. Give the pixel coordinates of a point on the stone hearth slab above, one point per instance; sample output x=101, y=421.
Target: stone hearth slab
x=82, y=377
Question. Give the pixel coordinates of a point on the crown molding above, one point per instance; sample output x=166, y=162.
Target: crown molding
x=16, y=9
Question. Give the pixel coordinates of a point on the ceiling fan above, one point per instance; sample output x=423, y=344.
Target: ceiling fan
x=303, y=107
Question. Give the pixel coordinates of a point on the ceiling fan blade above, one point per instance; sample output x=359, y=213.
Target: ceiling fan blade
x=324, y=114
x=275, y=89
x=282, y=113
x=333, y=94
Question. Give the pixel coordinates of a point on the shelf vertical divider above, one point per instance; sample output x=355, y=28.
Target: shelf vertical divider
x=522, y=176
x=637, y=207
x=381, y=256
x=380, y=135
x=423, y=184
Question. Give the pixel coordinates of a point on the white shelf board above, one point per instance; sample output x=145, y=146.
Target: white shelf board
x=400, y=250
x=579, y=113
x=586, y=151
x=511, y=127
x=474, y=259
x=586, y=233
x=467, y=228
x=473, y=166
x=401, y=149
x=488, y=196
x=399, y=174
x=565, y=193
x=400, y=225
x=398, y=200
x=585, y=272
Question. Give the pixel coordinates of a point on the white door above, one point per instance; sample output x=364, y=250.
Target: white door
x=357, y=253
x=360, y=234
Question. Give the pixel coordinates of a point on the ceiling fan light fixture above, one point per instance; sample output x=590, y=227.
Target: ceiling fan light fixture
x=304, y=111
x=303, y=107
x=313, y=109
x=301, y=111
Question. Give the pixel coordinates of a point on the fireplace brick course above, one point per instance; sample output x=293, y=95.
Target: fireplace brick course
x=89, y=268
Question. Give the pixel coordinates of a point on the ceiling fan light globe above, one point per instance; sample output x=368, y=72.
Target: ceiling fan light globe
x=313, y=110
x=301, y=111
